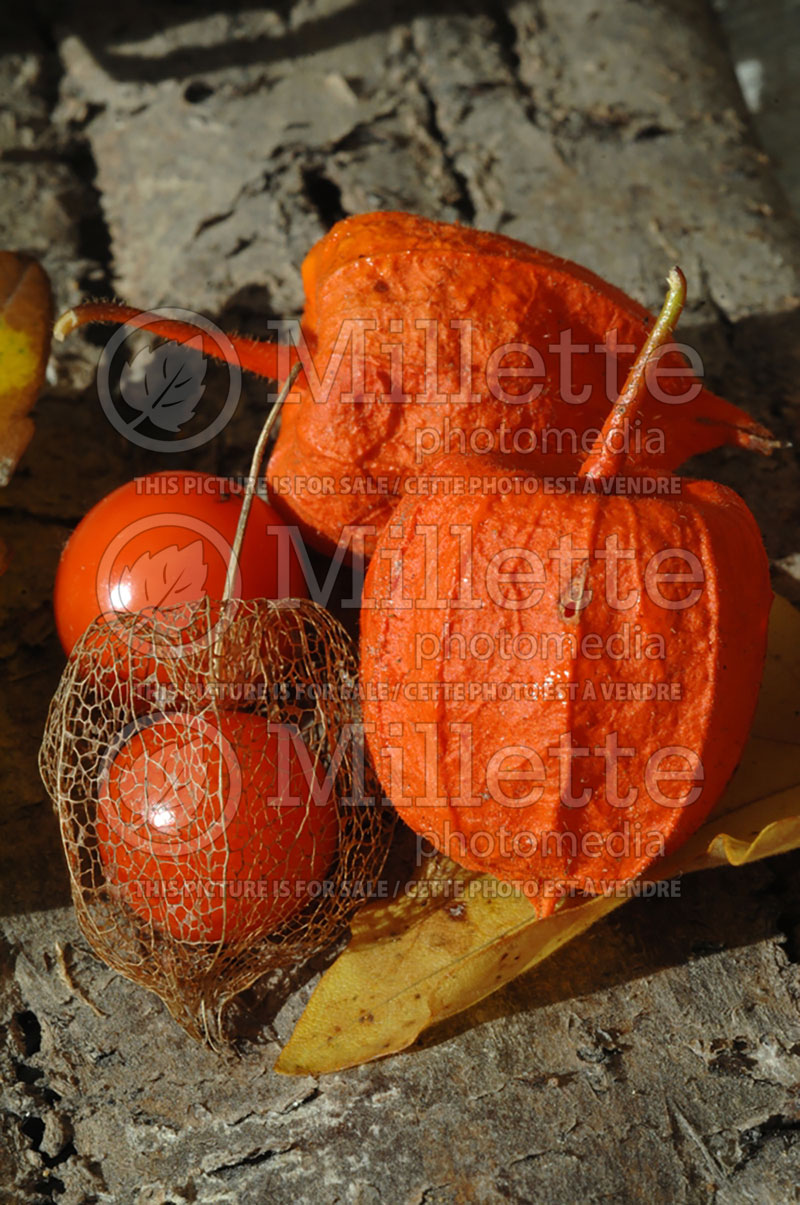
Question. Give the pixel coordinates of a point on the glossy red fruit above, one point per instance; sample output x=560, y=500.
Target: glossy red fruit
x=205, y=827
x=164, y=540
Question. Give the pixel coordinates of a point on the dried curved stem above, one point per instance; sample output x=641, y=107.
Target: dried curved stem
x=250, y=488
x=606, y=460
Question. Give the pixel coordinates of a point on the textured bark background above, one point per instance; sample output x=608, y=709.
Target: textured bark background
x=177, y=154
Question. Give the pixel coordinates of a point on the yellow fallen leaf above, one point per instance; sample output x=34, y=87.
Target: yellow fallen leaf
x=416, y=960
x=26, y=320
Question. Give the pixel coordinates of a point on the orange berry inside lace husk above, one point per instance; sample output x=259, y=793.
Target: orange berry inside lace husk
x=215, y=828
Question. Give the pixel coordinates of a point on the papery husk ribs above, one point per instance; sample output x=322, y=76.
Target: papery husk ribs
x=348, y=446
